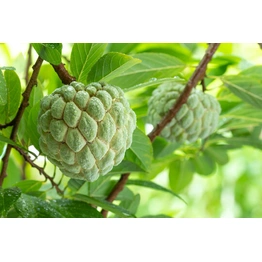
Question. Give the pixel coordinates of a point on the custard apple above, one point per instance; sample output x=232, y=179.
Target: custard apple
x=85, y=130
x=197, y=118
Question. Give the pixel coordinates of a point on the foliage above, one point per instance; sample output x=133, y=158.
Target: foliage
x=166, y=175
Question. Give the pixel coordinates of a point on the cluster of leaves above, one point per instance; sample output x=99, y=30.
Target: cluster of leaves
x=137, y=69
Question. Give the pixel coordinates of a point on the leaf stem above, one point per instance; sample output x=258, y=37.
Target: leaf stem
x=197, y=76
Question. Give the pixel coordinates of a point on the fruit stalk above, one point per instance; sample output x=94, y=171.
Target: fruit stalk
x=63, y=74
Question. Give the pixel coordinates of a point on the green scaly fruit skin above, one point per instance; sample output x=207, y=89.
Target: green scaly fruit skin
x=85, y=130
x=197, y=118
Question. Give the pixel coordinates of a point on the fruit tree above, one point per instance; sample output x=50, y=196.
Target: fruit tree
x=130, y=130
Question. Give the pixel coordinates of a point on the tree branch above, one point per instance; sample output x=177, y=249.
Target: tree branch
x=197, y=76
x=119, y=186
x=40, y=169
x=63, y=74
x=32, y=82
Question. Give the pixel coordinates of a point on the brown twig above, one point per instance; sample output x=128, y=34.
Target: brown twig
x=63, y=74
x=7, y=125
x=40, y=169
x=32, y=82
x=203, y=85
x=119, y=186
x=197, y=76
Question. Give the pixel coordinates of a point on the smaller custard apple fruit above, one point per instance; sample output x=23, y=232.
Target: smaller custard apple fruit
x=197, y=118
x=85, y=130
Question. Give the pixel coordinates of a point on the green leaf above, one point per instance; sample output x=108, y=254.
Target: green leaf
x=204, y=164
x=8, y=197
x=49, y=52
x=152, y=185
x=238, y=142
x=163, y=148
x=27, y=132
x=240, y=116
x=156, y=216
x=121, y=47
x=13, y=171
x=178, y=50
x=32, y=125
x=75, y=209
x=83, y=57
x=39, y=194
x=75, y=184
x=119, y=211
x=125, y=167
x=158, y=165
x=180, y=174
x=110, y=66
x=154, y=82
x=141, y=151
x=29, y=185
x=3, y=91
x=153, y=65
x=13, y=89
x=218, y=153
x=33, y=207
x=7, y=68
x=246, y=87
x=125, y=195
x=131, y=205
x=99, y=188
x=254, y=71
x=35, y=96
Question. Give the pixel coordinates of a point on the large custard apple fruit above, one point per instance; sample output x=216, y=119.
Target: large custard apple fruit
x=85, y=130
x=197, y=118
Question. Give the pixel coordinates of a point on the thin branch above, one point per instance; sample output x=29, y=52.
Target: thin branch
x=197, y=76
x=28, y=64
x=32, y=82
x=7, y=125
x=116, y=190
x=63, y=74
x=41, y=170
x=203, y=85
